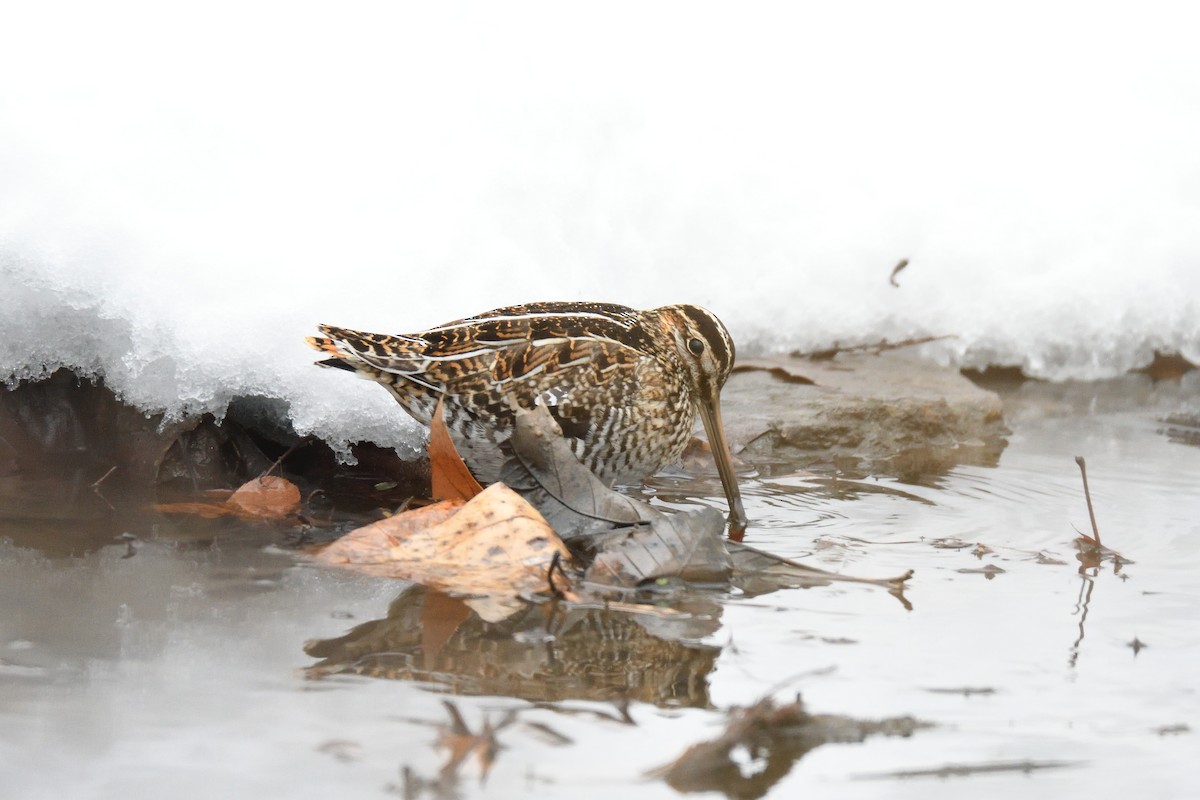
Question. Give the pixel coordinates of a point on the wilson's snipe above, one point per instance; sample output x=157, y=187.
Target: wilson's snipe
x=624, y=385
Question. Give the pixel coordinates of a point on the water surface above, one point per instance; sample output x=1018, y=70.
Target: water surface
x=182, y=670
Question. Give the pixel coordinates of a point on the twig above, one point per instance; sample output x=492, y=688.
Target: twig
x=102, y=478
x=1088, y=495
x=286, y=453
x=896, y=271
x=96, y=487
x=873, y=348
x=555, y=563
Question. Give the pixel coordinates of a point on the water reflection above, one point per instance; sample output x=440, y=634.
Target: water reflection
x=546, y=653
x=1091, y=557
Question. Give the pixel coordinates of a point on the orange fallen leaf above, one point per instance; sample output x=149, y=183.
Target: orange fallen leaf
x=496, y=547
x=263, y=498
x=267, y=497
x=370, y=546
x=451, y=478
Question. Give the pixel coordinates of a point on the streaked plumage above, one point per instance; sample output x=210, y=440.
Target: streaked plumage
x=624, y=385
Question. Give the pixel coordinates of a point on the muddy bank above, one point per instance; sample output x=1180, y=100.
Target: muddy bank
x=892, y=413
x=854, y=409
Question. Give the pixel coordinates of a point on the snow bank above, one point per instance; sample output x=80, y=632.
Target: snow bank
x=186, y=191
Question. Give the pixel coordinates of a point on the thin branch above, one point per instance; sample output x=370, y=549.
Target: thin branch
x=286, y=453
x=1088, y=495
x=871, y=348
x=104, y=477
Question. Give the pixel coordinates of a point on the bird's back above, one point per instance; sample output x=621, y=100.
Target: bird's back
x=596, y=366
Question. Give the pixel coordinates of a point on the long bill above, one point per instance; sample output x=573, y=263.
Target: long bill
x=710, y=414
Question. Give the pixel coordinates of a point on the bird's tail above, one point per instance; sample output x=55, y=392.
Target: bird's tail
x=368, y=353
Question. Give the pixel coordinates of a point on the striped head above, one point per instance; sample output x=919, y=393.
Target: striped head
x=703, y=346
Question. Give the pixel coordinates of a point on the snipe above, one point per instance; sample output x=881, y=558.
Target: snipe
x=624, y=385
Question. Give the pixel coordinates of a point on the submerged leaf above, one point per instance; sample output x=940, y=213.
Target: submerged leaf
x=202, y=510
x=268, y=497
x=264, y=498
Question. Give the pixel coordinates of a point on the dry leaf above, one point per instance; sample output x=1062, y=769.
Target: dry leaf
x=495, y=546
x=451, y=478
x=371, y=545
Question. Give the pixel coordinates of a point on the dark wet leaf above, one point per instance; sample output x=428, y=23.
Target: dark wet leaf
x=687, y=546
x=632, y=541
x=757, y=571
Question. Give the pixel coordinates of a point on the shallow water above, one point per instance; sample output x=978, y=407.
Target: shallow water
x=182, y=671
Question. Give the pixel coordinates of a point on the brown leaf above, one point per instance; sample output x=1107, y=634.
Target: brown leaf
x=265, y=498
x=268, y=497
x=451, y=478
x=371, y=545
x=495, y=546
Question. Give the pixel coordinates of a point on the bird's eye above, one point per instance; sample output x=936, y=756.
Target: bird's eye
x=696, y=346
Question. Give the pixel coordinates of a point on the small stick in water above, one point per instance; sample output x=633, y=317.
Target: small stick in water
x=104, y=477
x=1088, y=495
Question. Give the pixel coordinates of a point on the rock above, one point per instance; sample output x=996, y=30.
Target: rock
x=871, y=410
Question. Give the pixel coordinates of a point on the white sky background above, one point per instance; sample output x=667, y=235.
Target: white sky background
x=185, y=190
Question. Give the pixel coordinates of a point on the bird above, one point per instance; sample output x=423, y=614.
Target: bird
x=624, y=385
